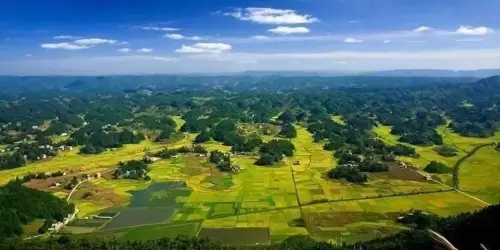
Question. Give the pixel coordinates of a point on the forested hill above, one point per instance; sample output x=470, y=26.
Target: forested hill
x=236, y=83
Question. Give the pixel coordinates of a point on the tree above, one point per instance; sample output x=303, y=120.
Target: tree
x=21, y=205
x=349, y=173
x=199, y=149
x=265, y=160
x=288, y=131
x=204, y=136
x=287, y=117
x=446, y=151
x=166, y=133
x=437, y=168
x=277, y=149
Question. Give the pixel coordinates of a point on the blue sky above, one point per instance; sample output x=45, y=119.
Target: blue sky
x=143, y=37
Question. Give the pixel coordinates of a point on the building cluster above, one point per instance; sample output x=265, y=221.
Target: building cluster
x=55, y=227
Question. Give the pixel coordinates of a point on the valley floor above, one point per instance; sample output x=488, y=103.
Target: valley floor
x=189, y=196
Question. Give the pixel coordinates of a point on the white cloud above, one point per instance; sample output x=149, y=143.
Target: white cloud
x=181, y=37
x=124, y=50
x=66, y=46
x=474, y=31
x=174, y=36
x=204, y=48
x=271, y=16
x=422, y=29
x=286, y=30
x=352, y=40
x=387, y=41
x=94, y=41
x=190, y=49
x=28, y=55
x=259, y=37
x=65, y=37
x=145, y=50
x=157, y=28
x=353, y=21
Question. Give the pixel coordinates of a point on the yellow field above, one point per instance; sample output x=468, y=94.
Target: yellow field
x=480, y=175
x=464, y=143
x=351, y=221
x=290, y=198
x=72, y=161
x=312, y=184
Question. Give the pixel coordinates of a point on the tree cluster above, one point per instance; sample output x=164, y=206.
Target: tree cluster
x=437, y=168
x=288, y=131
x=446, y=151
x=274, y=151
x=135, y=169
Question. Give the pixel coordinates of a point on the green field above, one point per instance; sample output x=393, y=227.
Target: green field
x=368, y=218
x=480, y=175
x=188, y=194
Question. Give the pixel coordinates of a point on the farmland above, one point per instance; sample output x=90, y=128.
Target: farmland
x=188, y=195
x=257, y=167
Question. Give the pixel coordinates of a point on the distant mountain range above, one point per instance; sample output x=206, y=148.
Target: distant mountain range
x=482, y=73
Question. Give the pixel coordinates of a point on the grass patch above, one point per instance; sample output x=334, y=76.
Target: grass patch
x=31, y=229
x=222, y=182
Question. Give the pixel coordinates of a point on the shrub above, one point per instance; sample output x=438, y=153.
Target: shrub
x=437, y=168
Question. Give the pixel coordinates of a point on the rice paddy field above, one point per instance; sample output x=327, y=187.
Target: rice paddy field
x=480, y=175
x=190, y=196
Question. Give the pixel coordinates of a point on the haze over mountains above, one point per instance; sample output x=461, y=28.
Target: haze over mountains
x=481, y=73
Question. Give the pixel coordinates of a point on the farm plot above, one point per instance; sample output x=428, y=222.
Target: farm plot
x=237, y=236
x=350, y=221
x=136, y=216
x=155, y=204
x=313, y=185
x=162, y=231
x=282, y=222
x=427, y=153
x=84, y=226
x=480, y=175
x=73, y=162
